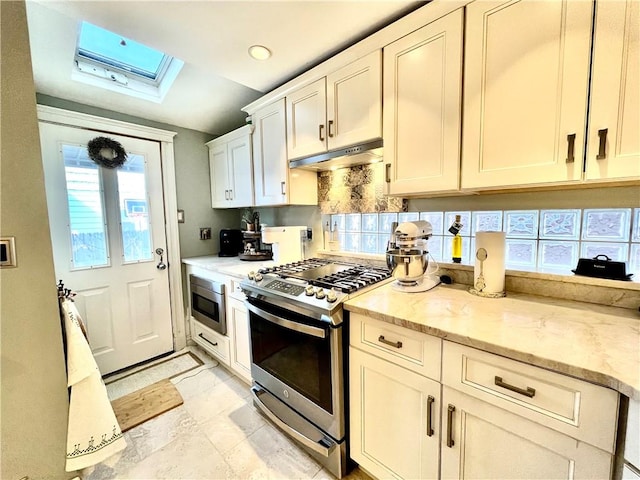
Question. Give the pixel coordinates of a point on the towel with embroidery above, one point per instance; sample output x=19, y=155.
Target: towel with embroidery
x=93, y=432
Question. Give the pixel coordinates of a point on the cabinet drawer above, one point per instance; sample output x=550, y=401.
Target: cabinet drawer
x=410, y=349
x=577, y=408
x=214, y=343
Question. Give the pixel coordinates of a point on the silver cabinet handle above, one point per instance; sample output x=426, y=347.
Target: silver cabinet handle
x=230, y=194
x=602, y=147
x=387, y=342
x=529, y=392
x=282, y=189
x=430, y=401
x=571, y=143
x=320, y=129
x=330, y=129
x=207, y=340
x=450, y=410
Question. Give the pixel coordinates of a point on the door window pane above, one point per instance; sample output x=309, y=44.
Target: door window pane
x=134, y=210
x=86, y=209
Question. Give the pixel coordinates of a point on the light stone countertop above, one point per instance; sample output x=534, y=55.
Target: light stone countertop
x=600, y=344
x=227, y=265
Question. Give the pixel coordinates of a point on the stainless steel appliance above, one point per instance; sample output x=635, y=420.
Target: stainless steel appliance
x=299, y=348
x=408, y=257
x=207, y=303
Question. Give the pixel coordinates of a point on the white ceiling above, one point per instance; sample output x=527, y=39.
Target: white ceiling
x=212, y=38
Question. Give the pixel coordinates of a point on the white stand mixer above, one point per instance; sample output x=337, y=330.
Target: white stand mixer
x=408, y=257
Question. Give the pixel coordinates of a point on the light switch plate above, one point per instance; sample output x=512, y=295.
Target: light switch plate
x=7, y=252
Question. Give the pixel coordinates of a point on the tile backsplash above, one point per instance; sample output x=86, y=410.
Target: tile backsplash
x=549, y=240
x=356, y=189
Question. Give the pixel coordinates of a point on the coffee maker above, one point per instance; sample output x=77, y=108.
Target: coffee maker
x=230, y=242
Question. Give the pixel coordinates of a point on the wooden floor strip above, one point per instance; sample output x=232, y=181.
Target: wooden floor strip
x=145, y=404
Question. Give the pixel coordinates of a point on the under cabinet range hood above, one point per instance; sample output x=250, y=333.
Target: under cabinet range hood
x=359, y=154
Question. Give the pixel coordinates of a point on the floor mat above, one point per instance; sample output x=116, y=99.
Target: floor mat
x=135, y=408
x=143, y=377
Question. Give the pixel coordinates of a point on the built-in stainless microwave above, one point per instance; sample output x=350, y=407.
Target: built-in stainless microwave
x=207, y=303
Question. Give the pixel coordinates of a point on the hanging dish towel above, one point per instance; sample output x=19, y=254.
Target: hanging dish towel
x=93, y=433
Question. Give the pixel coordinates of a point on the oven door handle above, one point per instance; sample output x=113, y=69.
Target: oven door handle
x=315, y=446
x=298, y=327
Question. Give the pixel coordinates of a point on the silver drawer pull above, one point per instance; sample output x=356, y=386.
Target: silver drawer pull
x=387, y=342
x=207, y=340
x=529, y=392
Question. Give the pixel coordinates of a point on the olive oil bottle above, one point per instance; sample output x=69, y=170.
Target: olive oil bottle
x=456, y=242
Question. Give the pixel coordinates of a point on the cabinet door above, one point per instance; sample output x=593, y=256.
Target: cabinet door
x=240, y=172
x=238, y=324
x=480, y=440
x=306, y=120
x=354, y=102
x=394, y=419
x=270, y=165
x=422, y=99
x=613, y=144
x=525, y=92
x=219, y=176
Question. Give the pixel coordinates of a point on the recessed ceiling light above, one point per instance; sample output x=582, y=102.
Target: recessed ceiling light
x=259, y=52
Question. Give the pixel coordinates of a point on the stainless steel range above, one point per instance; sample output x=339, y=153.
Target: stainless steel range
x=298, y=349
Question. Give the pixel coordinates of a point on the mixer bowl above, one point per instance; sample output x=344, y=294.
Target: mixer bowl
x=407, y=265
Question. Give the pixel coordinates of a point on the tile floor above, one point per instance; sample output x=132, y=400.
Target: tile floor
x=215, y=434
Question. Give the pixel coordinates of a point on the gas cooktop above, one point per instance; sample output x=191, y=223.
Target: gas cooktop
x=318, y=284
x=342, y=276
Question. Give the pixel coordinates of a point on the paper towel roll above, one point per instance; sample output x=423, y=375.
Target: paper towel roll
x=488, y=273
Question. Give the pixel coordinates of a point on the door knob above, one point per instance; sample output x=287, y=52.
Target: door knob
x=161, y=265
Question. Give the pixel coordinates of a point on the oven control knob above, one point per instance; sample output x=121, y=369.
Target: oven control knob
x=331, y=296
x=257, y=277
x=251, y=275
x=308, y=290
x=320, y=293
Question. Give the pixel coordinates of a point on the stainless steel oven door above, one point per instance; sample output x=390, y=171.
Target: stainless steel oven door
x=299, y=360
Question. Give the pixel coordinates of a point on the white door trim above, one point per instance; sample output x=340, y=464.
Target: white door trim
x=165, y=137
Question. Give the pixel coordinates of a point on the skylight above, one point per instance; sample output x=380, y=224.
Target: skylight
x=111, y=61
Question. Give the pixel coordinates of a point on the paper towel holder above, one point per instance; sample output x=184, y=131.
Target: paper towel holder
x=479, y=282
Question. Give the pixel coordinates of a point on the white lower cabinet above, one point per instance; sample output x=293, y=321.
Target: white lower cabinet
x=395, y=426
x=481, y=440
x=425, y=408
x=238, y=331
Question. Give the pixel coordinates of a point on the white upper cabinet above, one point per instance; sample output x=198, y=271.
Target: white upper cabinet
x=525, y=92
x=341, y=109
x=271, y=167
x=613, y=142
x=422, y=107
x=230, y=167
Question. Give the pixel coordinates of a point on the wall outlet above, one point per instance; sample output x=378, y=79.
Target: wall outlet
x=205, y=233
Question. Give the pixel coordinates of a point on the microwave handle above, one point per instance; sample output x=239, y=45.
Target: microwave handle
x=288, y=324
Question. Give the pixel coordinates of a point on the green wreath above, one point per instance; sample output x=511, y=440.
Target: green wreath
x=106, y=152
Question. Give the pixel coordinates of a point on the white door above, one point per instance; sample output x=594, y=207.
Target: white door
x=394, y=419
x=526, y=79
x=240, y=171
x=354, y=102
x=106, y=225
x=480, y=440
x=422, y=114
x=270, y=155
x=306, y=120
x=219, y=176
x=613, y=144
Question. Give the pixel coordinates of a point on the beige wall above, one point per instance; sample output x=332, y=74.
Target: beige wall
x=33, y=390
